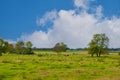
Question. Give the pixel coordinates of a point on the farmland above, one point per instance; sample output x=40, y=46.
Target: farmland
x=48, y=65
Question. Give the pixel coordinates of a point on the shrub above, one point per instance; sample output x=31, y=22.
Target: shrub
x=40, y=55
x=0, y=54
x=60, y=47
x=118, y=53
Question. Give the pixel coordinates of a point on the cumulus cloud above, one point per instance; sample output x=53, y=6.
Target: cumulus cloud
x=49, y=16
x=99, y=11
x=75, y=29
x=83, y=4
x=38, y=38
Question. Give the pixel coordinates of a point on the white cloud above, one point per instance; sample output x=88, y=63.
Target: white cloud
x=49, y=16
x=38, y=38
x=76, y=30
x=99, y=11
x=83, y=4
x=112, y=28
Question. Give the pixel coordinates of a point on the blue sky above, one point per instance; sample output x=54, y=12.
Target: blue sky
x=19, y=16
x=21, y=19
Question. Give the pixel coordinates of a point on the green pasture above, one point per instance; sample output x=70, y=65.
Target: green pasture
x=62, y=66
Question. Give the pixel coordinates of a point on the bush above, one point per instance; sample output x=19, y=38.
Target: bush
x=27, y=51
x=0, y=54
x=40, y=55
x=24, y=51
x=118, y=53
x=60, y=47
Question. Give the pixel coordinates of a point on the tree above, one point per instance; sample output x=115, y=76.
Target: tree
x=19, y=46
x=28, y=44
x=28, y=49
x=1, y=46
x=5, y=47
x=98, y=45
x=11, y=48
x=60, y=47
x=24, y=48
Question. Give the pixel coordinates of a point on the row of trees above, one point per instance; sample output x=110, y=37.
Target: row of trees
x=19, y=48
x=98, y=45
x=23, y=48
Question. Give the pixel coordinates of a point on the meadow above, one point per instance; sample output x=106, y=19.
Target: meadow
x=63, y=66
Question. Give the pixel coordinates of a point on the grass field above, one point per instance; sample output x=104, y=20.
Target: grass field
x=64, y=66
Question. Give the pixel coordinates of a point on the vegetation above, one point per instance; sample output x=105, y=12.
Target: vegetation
x=60, y=47
x=50, y=66
x=45, y=64
x=19, y=48
x=98, y=45
x=118, y=53
x=3, y=46
x=22, y=48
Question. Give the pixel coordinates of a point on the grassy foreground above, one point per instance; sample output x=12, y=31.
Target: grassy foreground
x=65, y=66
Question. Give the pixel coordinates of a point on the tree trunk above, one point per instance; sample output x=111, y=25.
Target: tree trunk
x=92, y=54
x=0, y=54
x=97, y=54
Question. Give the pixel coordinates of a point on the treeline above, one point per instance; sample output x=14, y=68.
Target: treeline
x=51, y=49
x=19, y=47
x=42, y=49
x=59, y=47
x=114, y=49
x=98, y=45
x=76, y=49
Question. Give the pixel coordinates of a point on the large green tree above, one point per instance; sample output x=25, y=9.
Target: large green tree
x=98, y=45
x=1, y=46
x=60, y=47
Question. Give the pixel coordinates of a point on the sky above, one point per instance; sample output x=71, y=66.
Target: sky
x=46, y=22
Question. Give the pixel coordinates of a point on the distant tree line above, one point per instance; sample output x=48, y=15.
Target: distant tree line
x=19, y=48
x=114, y=49
x=59, y=47
x=98, y=45
x=42, y=49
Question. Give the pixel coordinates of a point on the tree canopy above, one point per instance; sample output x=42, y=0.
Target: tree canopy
x=19, y=48
x=24, y=48
x=98, y=45
x=60, y=47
